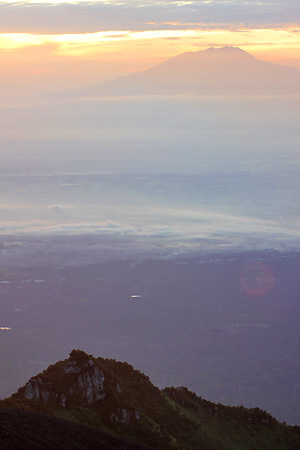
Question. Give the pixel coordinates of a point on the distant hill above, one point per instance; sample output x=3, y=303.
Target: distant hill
x=222, y=71
x=113, y=397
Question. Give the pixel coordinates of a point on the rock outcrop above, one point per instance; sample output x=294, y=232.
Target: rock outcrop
x=113, y=396
x=89, y=381
x=123, y=416
x=36, y=389
x=84, y=380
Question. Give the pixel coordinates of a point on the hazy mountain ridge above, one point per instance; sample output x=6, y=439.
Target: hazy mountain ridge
x=222, y=71
x=117, y=399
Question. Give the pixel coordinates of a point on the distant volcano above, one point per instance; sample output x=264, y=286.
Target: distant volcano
x=223, y=71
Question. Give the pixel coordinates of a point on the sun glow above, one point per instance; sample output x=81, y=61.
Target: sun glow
x=17, y=40
x=30, y=60
x=260, y=40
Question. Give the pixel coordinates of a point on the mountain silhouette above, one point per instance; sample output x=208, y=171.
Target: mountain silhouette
x=124, y=410
x=222, y=71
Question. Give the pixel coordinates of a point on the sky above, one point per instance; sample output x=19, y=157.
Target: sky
x=57, y=44
x=48, y=46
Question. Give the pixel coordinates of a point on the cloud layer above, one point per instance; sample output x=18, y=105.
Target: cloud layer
x=84, y=16
x=171, y=227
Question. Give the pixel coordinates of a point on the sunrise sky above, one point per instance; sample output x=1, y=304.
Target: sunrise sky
x=53, y=44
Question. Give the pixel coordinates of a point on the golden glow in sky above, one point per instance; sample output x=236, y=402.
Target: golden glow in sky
x=42, y=37
x=156, y=42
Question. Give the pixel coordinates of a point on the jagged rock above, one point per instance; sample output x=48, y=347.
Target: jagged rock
x=88, y=381
x=91, y=385
x=90, y=363
x=63, y=399
x=213, y=411
x=71, y=367
x=121, y=416
x=36, y=389
x=174, y=418
x=32, y=390
x=45, y=396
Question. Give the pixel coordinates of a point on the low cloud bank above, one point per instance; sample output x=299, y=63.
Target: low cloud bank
x=201, y=229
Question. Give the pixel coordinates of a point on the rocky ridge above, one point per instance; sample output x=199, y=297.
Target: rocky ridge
x=79, y=380
x=86, y=380
x=117, y=399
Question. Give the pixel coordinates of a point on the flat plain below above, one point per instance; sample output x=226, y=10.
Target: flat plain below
x=224, y=325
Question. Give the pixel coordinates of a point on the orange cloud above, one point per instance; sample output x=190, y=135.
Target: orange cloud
x=59, y=58
x=92, y=44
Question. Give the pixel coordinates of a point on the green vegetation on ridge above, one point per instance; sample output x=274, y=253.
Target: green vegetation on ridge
x=122, y=401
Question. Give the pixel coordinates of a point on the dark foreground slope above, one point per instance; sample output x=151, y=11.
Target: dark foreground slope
x=35, y=431
x=113, y=397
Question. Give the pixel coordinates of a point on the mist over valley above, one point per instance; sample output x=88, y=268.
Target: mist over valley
x=157, y=228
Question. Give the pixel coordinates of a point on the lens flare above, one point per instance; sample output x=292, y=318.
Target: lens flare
x=257, y=279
